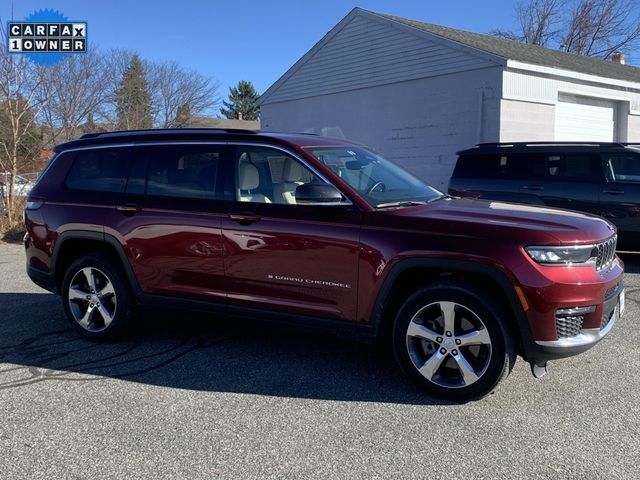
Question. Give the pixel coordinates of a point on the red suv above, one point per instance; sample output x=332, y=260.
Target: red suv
x=324, y=233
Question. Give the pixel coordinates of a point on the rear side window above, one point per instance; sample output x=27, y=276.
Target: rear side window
x=100, y=170
x=574, y=167
x=505, y=166
x=188, y=171
x=622, y=168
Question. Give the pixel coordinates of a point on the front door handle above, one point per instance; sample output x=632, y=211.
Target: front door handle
x=245, y=218
x=533, y=187
x=128, y=208
x=613, y=191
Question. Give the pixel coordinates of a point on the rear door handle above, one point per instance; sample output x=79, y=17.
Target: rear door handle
x=128, y=208
x=533, y=187
x=613, y=191
x=245, y=218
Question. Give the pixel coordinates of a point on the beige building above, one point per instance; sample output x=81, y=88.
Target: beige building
x=419, y=92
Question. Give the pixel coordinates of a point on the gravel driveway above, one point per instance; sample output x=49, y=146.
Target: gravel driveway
x=195, y=398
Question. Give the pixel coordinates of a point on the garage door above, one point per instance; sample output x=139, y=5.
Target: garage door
x=585, y=119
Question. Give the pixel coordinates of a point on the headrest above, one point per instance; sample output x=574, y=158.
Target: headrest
x=292, y=171
x=248, y=176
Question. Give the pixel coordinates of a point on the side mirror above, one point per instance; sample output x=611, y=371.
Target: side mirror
x=320, y=194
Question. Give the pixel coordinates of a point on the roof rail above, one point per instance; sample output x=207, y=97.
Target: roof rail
x=524, y=144
x=168, y=130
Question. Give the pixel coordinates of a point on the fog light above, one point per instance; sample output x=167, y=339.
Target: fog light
x=569, y=321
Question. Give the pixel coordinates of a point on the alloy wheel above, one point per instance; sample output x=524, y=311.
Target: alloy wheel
x=449, y=344
x=92, y=299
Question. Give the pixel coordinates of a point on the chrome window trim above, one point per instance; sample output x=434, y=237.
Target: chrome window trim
x=304, y=162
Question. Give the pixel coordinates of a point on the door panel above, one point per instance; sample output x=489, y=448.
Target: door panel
x=571, y=182
x=173, y=232
x=296, y=258
x=306, y=265
x=620, y=197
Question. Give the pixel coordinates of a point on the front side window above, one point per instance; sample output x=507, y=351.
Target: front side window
x=186, y=171
x=377, y=180
x=266, y=175
x=623, y=168
x=100, y=170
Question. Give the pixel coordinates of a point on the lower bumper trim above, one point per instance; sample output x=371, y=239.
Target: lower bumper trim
x=586, y=338
x=42, y=279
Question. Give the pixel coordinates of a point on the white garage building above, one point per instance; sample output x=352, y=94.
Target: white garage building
x=419, y=92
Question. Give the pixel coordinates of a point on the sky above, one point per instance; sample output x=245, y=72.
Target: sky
x=255, y=40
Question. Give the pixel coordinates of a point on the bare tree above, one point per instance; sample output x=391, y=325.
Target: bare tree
x=75, y=90
x=587, y=27
x=20, y=104
x=600, y=28
x=176, y=91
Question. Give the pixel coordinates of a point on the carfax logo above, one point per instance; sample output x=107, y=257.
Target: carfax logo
x=47, y=36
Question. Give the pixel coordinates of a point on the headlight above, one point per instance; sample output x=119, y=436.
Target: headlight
x=566, y=255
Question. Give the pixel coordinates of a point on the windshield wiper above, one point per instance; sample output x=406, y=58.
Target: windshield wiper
x=401, y=203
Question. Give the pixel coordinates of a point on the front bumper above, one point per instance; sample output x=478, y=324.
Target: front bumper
x=613, y=308
x=551, y=290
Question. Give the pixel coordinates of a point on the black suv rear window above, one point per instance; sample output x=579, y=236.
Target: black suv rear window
x=517, y=165
x=101, y=170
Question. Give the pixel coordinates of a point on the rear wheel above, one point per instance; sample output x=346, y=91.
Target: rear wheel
x=453, y=341
x=97, y=298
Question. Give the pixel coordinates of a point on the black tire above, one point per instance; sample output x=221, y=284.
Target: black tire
x=120, y=306
x=490, y=363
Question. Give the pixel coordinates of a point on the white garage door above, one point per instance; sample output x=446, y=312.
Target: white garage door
x=585, y=119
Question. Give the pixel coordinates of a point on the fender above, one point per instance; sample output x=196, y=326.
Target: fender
x=491, y=271
x=100, y=237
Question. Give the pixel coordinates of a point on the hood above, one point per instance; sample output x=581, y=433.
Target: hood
x=493, y=219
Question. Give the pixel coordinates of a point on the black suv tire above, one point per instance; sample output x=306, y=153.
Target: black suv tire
x=97, y=297
x=453, y=341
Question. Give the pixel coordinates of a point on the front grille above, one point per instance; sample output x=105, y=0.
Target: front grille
x=568, y=326
x=606, y=253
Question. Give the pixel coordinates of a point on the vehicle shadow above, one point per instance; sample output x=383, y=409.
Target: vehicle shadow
x=180, y=350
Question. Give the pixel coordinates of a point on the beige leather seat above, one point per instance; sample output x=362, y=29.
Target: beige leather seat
x=249, y=179
x=285, y=191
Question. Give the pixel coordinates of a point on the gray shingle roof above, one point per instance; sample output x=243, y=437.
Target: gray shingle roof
x=513, y=50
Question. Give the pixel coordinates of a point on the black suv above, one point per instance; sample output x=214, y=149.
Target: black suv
x=599, y=178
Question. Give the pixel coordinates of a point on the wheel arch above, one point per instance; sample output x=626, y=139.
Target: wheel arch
x=73, y=243
x=408, y=275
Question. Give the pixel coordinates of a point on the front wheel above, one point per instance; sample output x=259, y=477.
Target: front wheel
x=453, y=341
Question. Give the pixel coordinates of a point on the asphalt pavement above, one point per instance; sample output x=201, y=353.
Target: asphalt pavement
x=195, y=398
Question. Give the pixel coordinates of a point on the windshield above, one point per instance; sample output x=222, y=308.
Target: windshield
x=378, y=180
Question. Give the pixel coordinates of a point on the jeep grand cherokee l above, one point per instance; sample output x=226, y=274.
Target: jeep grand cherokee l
x=318, y=232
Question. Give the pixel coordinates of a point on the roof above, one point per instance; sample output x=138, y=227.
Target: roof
x=532, y=54
x=199, y=134
x=548, y=147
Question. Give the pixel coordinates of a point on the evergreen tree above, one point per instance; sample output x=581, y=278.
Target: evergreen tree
x=242, y=102
x=183, y=116
x=134, y=99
